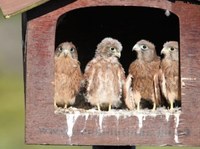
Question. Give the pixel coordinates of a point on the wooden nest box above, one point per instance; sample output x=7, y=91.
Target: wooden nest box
x=86, y=23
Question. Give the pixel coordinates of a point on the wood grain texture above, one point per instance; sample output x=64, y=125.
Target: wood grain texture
x=44, y=127
x=189, y=62
x=11, y=7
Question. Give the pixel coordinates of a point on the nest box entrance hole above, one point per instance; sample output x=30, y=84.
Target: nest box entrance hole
x=86, y=27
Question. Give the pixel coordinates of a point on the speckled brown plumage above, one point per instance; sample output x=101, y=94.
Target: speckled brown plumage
x=169, y=72
x=68, y=75
x=139, y=83
x=104, y=75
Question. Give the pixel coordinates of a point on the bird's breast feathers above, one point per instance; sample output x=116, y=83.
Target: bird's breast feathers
x=170, y=68
x=105, y=79
x=143, y=69
x=66, y=65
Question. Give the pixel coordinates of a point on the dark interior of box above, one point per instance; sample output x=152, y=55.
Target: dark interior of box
x=86, y=27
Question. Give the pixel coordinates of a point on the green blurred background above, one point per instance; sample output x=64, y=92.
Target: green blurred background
x=12, y=90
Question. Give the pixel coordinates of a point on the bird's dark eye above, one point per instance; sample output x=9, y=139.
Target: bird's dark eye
x=112, y=49
x=60, y=48
x=172, y=49
x=144, y=47
x=72, y=49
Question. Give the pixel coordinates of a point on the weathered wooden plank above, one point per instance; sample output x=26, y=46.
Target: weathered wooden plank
x=12, y=7
x=189, y=45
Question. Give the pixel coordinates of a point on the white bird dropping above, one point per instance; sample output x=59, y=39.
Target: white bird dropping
x=167, y=13
x=176, y=119
x=71, y=119
x=140, y=117
x=167, y=115
x=101, y=116
x=86, y=118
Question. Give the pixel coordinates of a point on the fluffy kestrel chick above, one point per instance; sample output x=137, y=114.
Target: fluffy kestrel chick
x=169, y=72
x=139, y=83
x=104, y=75
x=68, y=75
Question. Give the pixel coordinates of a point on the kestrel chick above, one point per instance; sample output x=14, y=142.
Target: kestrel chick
x=68, y=75
x=169, y=72
x=139, y=83
x=104, y=75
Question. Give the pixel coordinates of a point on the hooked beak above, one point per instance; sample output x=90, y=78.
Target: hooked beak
x=164, y=51
x=65, y=52
x=136, y=47
x=118, y=54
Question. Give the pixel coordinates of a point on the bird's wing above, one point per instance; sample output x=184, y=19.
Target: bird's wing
x=157, y=88
x=89, y=74
x=122, y=78
x=128, y=93
x=162, y=82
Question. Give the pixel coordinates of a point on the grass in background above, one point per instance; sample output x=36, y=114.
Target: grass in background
x=12, y=115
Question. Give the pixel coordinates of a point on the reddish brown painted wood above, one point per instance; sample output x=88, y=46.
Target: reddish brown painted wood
x=10, y=7
x=189, y=45
x=44, y=127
